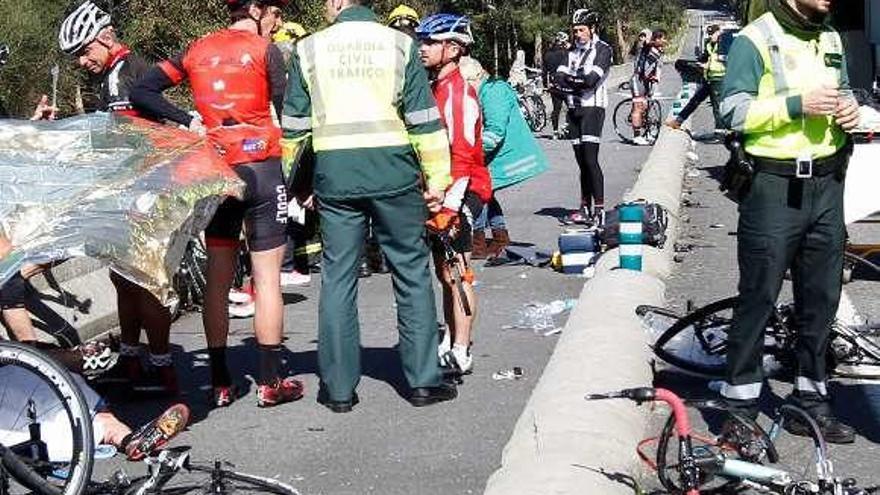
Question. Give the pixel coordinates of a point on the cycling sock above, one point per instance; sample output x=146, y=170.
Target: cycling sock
x=219, y=371
x=270, y=362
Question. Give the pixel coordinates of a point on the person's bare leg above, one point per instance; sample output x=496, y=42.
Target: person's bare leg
x=215, y=317
x=20, y=324
x=464, y=323
x=269, y=319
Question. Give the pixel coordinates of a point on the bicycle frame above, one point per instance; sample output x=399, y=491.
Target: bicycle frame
x=766, y=478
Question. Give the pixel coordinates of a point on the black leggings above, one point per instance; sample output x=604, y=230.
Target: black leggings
x=557, y=100
x=585, y=131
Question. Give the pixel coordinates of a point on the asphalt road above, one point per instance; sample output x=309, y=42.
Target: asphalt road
x=708, y=272
x=385, y=445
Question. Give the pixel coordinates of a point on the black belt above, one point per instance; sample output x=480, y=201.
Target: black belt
x=787, y=168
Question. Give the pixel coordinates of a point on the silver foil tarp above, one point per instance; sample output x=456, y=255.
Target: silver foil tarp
x=119, y=189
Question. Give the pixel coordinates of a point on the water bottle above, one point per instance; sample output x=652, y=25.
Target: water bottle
x=631, y=217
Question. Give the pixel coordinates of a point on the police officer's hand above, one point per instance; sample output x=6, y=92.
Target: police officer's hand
x=44, y=110
x=820, y=101
x=434, y=200
x=847, y=114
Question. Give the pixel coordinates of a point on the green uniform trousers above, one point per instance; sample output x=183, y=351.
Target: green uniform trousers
x=399, y=228
x=786, y=222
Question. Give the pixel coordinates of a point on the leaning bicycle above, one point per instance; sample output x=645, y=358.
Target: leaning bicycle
x=697, y=342
x=652, y=120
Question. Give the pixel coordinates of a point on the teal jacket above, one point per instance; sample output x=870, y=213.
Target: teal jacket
x=510, y=148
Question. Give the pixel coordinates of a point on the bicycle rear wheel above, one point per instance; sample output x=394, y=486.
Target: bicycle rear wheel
x=45, y=424
x=697, y=343
x=623, y=121
x=653, y=121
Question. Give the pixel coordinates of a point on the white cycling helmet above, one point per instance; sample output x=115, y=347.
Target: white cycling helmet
x=81, y=27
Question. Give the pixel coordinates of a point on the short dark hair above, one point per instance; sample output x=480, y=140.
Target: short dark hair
x=657, y=34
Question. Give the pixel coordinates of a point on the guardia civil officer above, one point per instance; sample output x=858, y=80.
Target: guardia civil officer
x=786, y=92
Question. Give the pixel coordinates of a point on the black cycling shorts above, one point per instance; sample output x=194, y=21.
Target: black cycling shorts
x=13, y=293
x=639, y=87
x=263, y=211
x=470, y=211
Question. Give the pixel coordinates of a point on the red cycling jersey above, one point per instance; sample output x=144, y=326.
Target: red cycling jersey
x=460, y=112
x=229, y=74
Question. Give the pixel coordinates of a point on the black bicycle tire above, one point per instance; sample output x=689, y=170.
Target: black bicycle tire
x=685, y=322
x=625, y=101
x=66, y=389
x=268, y=484
x=23, y=474
x=540, y=113
x=857, y=340
x=663, y=447
x=653, y=125
x=861, y=260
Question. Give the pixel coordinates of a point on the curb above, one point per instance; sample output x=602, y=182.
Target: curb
x=562, y=444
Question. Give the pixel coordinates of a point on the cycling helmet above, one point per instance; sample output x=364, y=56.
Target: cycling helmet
x=403, y=16
x=237, y=4
x=446, y=27
x=4, y=54
x=81, y=27
x=290, y=31
x=585, y=17
x=561, y=37
x=712, y=29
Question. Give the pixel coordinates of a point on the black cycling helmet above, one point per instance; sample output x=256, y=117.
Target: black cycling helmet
x=712, y=29
x=585, y=17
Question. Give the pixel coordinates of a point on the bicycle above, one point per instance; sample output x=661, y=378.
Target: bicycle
x=171, y=463
x=652, y=120
x=51, y=395
x=697, y=342
x=739, y=458
x=531, y=104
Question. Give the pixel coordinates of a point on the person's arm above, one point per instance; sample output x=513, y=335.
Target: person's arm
x=277, y=77
x=147, y=97
x=740, y=109
x=422, y=117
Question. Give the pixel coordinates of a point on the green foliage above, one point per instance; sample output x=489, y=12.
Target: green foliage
x=157, y=29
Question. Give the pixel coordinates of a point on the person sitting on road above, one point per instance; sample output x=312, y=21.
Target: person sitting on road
x=583, y=78
x=646, y=75
x=87, y=34
x=445, y=39
x=233, y=94
x=21, y=387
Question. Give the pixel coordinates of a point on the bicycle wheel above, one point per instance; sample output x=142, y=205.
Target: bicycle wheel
x=45, y=424
x=653, y=121
x=217, y=480
x=656, y=320
x=854, y=265
x=623, y=121
x=539, y=113
x=698, y=342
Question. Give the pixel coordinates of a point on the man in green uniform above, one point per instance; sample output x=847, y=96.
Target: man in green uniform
x=713, y=71
x=786, y=91
x=358, y=91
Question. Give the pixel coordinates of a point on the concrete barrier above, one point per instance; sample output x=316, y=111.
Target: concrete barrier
x=561, y=443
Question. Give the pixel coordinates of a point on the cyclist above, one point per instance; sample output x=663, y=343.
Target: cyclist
x=236, y=74
x=445, y=39
x=87, y=34
x=714, y=70
x=553, y=59
x=646, y=75
x=21, y=386
x=404, y=19
x=583, y=79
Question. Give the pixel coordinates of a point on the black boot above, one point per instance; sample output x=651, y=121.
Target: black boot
x=819, y=408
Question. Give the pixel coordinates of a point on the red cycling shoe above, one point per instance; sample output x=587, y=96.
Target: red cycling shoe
x=287, y=390
x=154, y=435
x=223, y=396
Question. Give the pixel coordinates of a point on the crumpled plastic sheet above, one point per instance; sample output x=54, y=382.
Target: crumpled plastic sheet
x=119, y=189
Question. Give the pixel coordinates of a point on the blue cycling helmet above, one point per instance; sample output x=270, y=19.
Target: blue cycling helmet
x=446, y=27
